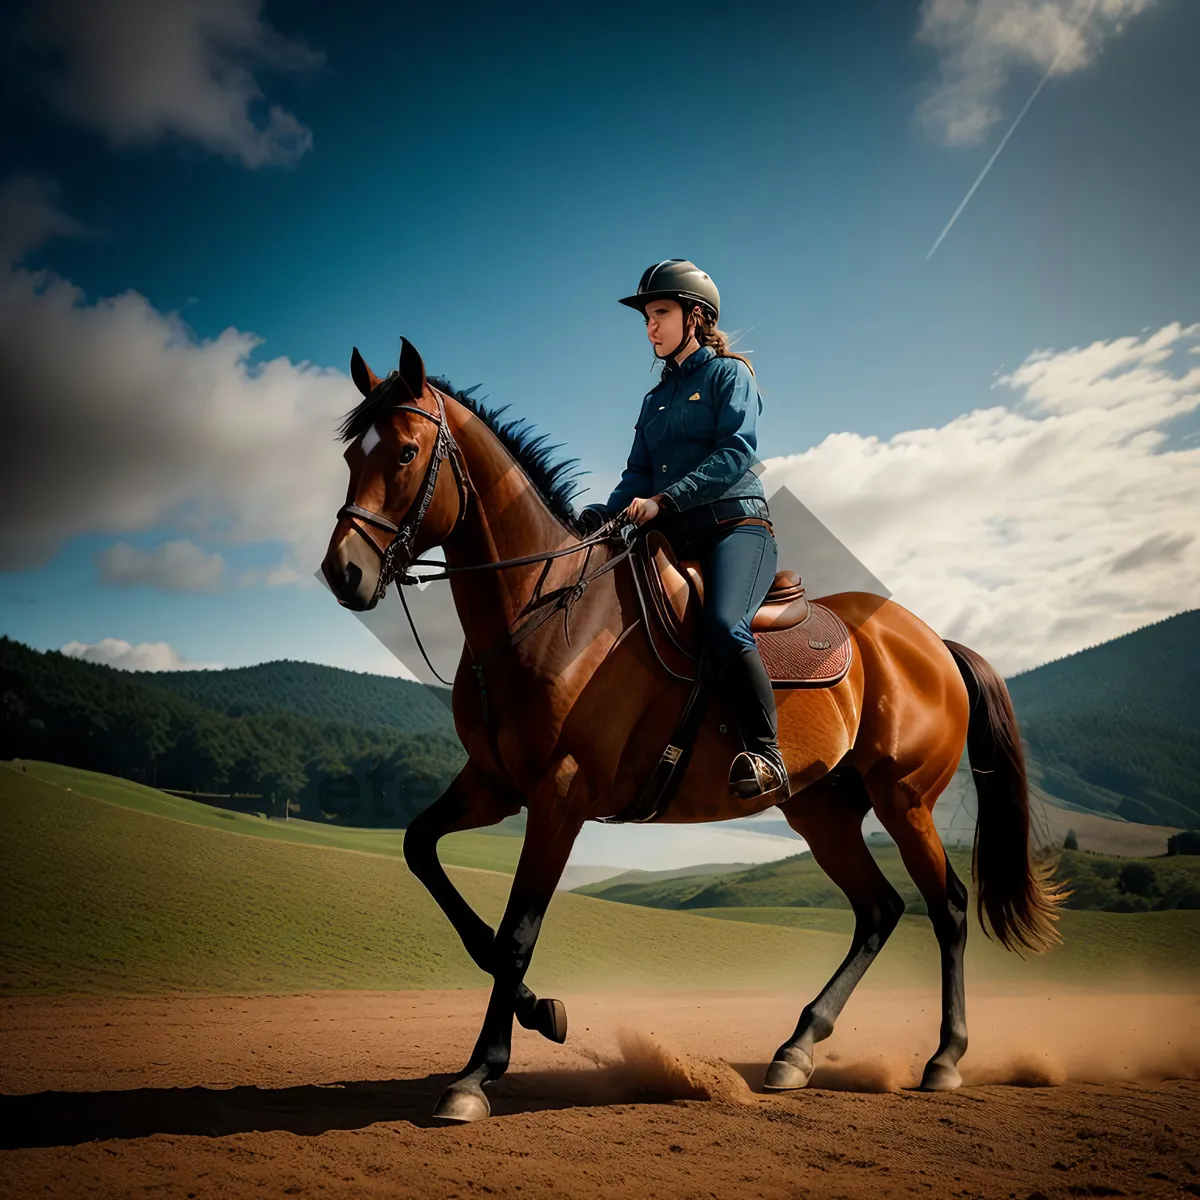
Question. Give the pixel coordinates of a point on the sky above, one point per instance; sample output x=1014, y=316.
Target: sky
x=205, y=205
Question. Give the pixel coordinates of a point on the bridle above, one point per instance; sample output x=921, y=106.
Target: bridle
x=405, y=533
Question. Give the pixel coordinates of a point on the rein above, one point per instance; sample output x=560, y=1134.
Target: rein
x=404, y=535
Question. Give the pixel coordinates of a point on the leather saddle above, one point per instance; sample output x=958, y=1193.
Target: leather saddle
x=802, y=643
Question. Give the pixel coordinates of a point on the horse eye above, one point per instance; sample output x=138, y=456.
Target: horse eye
x=408, y=454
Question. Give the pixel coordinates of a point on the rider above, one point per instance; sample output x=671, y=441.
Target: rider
x=690, y=468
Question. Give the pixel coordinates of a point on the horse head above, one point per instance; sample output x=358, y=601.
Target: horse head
x=398, y=503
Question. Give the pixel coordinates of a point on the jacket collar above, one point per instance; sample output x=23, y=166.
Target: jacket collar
x=696, y=359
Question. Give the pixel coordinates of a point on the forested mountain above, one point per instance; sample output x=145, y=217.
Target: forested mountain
x=1116, y=728
x=312, y=690
x=88, y=715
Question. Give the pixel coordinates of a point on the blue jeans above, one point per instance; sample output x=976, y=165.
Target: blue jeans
x=739, y=566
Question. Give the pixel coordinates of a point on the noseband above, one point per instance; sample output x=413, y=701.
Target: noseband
x=401, y=545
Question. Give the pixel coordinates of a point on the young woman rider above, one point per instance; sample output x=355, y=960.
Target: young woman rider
x=690, y=471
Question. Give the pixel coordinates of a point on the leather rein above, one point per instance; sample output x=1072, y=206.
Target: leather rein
x=404, y=536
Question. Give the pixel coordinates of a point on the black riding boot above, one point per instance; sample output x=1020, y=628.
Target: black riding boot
x=759, y=768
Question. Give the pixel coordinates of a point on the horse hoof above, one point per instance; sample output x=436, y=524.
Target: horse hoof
x=550, y=1020
x=462, y=1104
x=940, y=1077
x=788, y=1073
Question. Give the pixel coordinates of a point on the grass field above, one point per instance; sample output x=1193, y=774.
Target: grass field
x=108, y=895
x=1097, y=947
x=100, y=896
x=790, y=882
x=1096, y=881
x=485, y=851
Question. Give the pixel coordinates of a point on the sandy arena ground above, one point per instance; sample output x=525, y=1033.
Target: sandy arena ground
x=653, y=1095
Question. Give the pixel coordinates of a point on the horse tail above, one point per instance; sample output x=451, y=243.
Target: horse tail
x=1014, y=895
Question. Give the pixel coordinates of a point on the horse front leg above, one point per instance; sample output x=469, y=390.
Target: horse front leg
x=557, y=811
x=472, y=801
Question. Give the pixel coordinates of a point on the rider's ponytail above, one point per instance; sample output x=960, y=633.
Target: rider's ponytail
x=707, y=334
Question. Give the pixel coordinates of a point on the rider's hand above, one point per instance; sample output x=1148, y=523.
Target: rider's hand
x=642, y=510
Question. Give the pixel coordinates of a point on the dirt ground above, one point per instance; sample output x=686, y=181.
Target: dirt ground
x=654, y=1095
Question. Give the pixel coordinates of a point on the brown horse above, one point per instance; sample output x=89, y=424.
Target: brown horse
x=569, y=720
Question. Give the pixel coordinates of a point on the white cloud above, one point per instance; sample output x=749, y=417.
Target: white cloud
x=270, y=576
x=176, y=566
x=145, y=656
x=143, y=72
x=118, y=419
x=980, y=43
x=1030, y=531
x=30, y=216
x=182, y=566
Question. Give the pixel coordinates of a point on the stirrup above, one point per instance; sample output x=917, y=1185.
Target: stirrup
x=755, y=775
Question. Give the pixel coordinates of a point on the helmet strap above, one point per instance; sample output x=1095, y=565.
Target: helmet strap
x=687, y=336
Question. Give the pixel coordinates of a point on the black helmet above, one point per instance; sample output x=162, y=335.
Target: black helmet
x=676, y=279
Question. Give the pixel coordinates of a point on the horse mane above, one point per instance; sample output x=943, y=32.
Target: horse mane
x=554, y=480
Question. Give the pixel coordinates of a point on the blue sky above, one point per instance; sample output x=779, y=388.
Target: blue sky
x=488, y=181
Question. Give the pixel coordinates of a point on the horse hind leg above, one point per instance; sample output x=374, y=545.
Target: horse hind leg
x=908, y=818
x=828, y=815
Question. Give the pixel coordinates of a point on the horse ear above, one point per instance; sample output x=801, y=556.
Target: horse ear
x=364, y=378
x=412, y=368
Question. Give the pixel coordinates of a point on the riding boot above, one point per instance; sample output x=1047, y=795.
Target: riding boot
x=759, y=768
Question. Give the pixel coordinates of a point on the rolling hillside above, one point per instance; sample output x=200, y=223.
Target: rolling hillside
x=494, y=850
x=1112, y=731
x=87, y=715
x=795, y=882
x=103, y=897
x=1121, y=885
x=100, y=897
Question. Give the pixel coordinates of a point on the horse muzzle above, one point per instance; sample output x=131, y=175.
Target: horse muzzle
x=352, y=572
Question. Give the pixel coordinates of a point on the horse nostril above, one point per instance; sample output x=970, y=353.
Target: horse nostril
x=343, y=578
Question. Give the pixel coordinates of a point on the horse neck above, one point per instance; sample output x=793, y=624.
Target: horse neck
x=507, y=520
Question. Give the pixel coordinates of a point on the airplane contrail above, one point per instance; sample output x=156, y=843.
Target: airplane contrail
x=1081, y=25
x=995, y=155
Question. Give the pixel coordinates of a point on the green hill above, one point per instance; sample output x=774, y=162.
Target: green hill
x=1111, y=949
x=496, y=849
x=102, y=896
x=636, y=875
x=1115, y=728
x=311, y=690
x=117, y=897
x=1098, y=881
x=61, y=709
x=796, y=882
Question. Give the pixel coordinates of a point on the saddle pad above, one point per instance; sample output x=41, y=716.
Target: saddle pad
x=815, y=653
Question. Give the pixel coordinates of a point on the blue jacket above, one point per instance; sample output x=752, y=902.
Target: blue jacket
x=695, y=439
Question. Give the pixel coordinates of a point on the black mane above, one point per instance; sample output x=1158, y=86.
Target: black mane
x=554, y=480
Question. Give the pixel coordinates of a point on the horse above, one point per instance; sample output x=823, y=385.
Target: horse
x=567, y=719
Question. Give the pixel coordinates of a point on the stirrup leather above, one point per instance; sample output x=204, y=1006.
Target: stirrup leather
x=755, y=775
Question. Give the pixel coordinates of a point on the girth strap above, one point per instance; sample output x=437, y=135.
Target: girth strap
x=663, y=782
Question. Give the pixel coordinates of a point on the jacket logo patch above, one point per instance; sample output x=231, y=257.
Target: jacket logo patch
x=694, y=396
